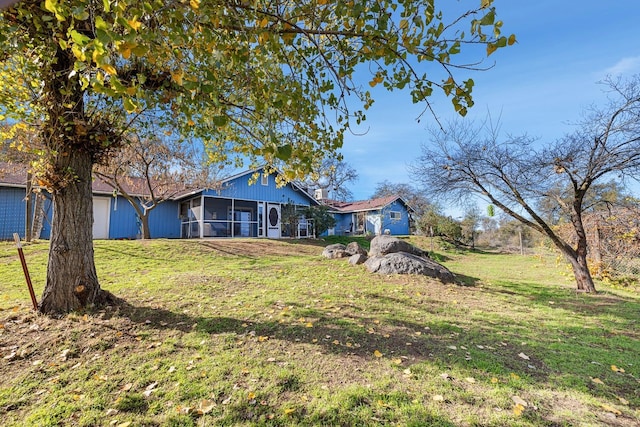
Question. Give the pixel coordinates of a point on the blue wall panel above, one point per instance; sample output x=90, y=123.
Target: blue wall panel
x=164, y=221
x=124, y=222
x=396, y=227
x=239, y=188
x=12, y=212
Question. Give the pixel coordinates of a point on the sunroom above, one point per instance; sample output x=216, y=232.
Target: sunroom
x=211, y=216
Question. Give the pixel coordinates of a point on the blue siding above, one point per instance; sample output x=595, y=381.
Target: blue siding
x=239, y=188
x=164, y=221
x=343, y=222
x=124, y=222
x=396, y=227
x=12, y=212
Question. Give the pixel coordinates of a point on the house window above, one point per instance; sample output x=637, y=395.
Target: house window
x=265, y=179
x=395, y=215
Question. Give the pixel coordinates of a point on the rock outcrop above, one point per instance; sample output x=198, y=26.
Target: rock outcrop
x=390, y=255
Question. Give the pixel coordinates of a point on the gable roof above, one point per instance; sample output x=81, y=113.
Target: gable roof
x=365, y=205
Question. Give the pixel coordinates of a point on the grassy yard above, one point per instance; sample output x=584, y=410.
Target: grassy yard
x=258, y=332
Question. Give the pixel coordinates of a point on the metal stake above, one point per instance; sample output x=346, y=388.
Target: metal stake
x=16, y=237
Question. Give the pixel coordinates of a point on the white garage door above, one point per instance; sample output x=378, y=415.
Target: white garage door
x=101, y=208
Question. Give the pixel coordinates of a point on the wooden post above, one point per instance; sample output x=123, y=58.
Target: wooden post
x=16, y=237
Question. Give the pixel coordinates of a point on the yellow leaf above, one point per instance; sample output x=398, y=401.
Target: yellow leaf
x=494, y=380
x=597, y=381
x=611, y=409
x=134, y=23
x=514, y=376
x=289, y=411
x=177, y=77
x=262, y=338
x=404, y=24
x=377, y=353
x=251, y=395
x=110, y=69
x=336, y=342
x=518, y=410
x=323, y=2
x=397, y=361
x=263, y=22
x=195, y=4
x=623, y=401
x=309, y=325
x=616, y=369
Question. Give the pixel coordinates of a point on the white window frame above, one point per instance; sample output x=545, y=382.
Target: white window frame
x=395, y=215
x=265, y=179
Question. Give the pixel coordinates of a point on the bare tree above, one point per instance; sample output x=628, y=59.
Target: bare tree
x=516, y=174
x=150, y=171
x=333, y=175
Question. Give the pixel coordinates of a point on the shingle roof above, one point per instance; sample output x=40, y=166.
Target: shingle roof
x=362, y=205
x=15, y=175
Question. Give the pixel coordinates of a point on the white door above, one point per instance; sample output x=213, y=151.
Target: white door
x=273, y=221
x=101, y=208
x=374, y=224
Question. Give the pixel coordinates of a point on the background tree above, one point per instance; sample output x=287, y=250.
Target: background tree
x=516, y=174
x=150, y=171
x=414, y=198
x=333, y=175
x=256, y=80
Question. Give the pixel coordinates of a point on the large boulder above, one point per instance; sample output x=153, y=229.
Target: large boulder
x=354, y=248
x=337, y=250
x=406, y=263
x=384, y=244
x=357, y=259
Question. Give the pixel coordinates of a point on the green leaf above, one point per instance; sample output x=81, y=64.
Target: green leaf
x=220, y=121
x=284, y=152
x=80, y=39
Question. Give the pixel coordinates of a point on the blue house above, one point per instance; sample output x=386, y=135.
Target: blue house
x=388, y=215
x=244, y=208
x=237, y=208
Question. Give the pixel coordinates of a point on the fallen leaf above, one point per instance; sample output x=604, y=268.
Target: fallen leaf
x=125, y=424
x=289, y=411
x=623, y=401
x=172, y=369
x=518, y=410
x=616, y=369
x=494, y=380
x=523, y=356
x=251, y=395
x=206, y=406
x=438, y=398
x=377, y=353
x=611, y=409
x=470, y=380
x=126, y=387
x=597, y=381
x=519, y=401
x=452, y=347
x=111, y=412
x=397, y=361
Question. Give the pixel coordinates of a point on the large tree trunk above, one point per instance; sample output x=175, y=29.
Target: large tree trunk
x=144, y=221
x=72, y=282
x=582, y=274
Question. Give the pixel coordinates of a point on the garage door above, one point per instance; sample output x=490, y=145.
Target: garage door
x=101, y=208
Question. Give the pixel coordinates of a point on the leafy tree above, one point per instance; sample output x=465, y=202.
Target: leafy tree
x=322, y=218
x=148, y=172
x=516, y=174
x=254, y=79
x=333, y=175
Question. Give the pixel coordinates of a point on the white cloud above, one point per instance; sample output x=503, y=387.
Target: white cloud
x=624, y=66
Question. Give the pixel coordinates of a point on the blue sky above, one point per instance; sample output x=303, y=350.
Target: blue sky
x=539, y=86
